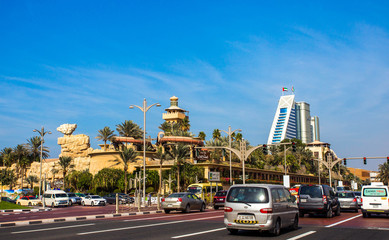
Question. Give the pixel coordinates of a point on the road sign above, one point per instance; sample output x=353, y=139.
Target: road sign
x=214, y=176
x=287, y=181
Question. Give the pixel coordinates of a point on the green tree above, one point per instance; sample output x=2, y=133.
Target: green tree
x=34, y=147
x=216, y=134
x=184, y=124
x=6, y=157
x=129, y=129
x=65, y=163
x=105, y=134
x=161, y=156
x=22, y=160
x=202, y=135
x=383, y=174
x=239, y=137
x=5, y=178
x=127, y=156
x=108, y=179
x=31, y=179
x=179, y=153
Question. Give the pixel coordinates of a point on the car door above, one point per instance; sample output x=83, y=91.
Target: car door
x=283, y=206
x=196, y=201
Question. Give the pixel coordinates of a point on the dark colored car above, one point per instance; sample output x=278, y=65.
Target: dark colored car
x=348, y=200
x=219, y=199
x=111, y=198
x=126, y=196
x=74, y=199
x=318, y=199
x=7, y=199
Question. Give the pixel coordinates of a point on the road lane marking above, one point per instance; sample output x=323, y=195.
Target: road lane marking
x=301, y=235
x=140, y=219
x=53, y=228
x=148, y=225
x=348, y=219
x=198, y=233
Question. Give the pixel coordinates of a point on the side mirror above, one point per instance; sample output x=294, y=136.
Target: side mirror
x=293, y=198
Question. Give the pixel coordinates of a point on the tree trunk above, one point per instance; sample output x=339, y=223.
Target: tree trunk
x=178, y=178
x=64, y=174
x=125, y=182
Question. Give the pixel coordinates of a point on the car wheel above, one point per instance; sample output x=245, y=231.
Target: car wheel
x=202, y=209
x=329, y=213
x=83, y=203
x=301, y=214
x=337, y=212
x=356, y=210
x=167, y=211
x=277, y=228
x=233, y=231
x=215, y=207
x=29, y=204
x=364, y=215
x=92, y=204
x=187, y=209
x=295, y=225
x=104, y=204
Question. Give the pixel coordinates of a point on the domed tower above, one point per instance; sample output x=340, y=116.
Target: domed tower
x=174, y=113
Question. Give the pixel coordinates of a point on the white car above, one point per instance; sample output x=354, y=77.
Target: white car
x=375, y=199
x=93, y=200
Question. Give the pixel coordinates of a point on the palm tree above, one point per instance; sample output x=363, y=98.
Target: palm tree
x=383, y=174
x=129, y=129
x=6, y=156
x=216, y=134
x=65, y=163
x=31, y=179
x=202, y=135
x=127, y=156
x=184, y=124
x=105, y=134
x=239, y=137
x=162, y=157
x=34, y=147
x=179, y=152
x=23, y=160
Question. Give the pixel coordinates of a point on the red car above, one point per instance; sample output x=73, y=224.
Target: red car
x=219, y=199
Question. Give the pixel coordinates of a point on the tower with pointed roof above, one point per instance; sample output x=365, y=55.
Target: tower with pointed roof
x=174, y=113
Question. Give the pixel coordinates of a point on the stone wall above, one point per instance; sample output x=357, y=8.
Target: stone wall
x=74, y=145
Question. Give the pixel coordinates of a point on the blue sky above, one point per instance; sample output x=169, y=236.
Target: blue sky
x=86, y=62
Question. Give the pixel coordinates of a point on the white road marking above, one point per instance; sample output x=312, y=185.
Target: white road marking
x=301, y=235
x=348, y=219
x=378, y=228
x=149, y=225
x=198, y=233
x=140, y=219
x=52, y=228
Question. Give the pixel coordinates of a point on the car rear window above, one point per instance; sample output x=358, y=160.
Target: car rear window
x=345, y=195
x=357, y=194
x=176, y=195
x=221, y=193
x=312, y=191
x=59, y=195
x=374, y=192
x=248, y=195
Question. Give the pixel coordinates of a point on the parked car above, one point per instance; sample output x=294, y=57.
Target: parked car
x=294, y=190
x=74, y=199
x=94, y=200
x=318, y=199
x=347, y=200
x=375, y=199
x=126, y=196
x=55, y=198
x=219, y=199
x=111, y=198
x=358, y=195
x=7, y=199
x=183, y=201
x=29, y=201
x=342, y=188
x=260, y=207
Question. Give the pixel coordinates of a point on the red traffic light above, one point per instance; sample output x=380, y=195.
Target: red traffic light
x=364, y=160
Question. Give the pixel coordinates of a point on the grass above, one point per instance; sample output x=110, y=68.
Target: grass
x=7, y=205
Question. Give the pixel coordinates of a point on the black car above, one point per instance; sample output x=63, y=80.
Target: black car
x=318, y=199
x=7, y=199
x=111, y=198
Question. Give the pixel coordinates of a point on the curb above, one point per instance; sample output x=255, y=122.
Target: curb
x=26, y=210
x=72, y=219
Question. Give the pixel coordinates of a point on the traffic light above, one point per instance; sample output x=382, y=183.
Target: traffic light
x=364, y=160
x=223, y=152
x=387, y=160
x=264, y=149
x=293, y=147
x=344, y=161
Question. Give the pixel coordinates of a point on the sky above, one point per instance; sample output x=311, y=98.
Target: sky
x=86, y=62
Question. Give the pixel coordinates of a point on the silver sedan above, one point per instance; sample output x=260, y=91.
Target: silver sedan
x=183, y=201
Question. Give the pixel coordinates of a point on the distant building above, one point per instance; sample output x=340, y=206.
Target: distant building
x=174, y=113
x=364, y=174
x=293, y=120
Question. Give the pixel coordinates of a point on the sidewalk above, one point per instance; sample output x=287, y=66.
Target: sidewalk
x=128, y=211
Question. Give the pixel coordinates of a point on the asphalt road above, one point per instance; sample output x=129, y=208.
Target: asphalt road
x=197, y=225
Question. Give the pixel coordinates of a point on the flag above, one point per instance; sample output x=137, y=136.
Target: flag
x=292, y=89
x=284, y=89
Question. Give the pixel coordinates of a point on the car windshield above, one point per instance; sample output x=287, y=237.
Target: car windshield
x=32, y=198
x=312, y=191
x=95, y=196
x=346, y=195
x=374, y=192
x=194, y=190
x=176, y=195
x=59, y=195
x=71, y=194
x=248, y=195
x=357, y=194
x=221, y=194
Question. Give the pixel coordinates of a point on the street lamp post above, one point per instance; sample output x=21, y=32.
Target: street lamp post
x=144, y=109
x=42, y=132
x=229, y=145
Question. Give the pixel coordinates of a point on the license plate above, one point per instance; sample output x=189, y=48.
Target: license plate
x=220, y=199
x=375, y=206
x=246, y=217
x=170, y=205
x=303, y=200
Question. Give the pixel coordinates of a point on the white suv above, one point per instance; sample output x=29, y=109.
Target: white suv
x=375, y=199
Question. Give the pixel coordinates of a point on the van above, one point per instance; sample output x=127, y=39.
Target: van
x=55, y=198
x=374, y=199
x=260, y=207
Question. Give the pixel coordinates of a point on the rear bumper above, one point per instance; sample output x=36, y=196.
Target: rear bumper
x=260, y=226
x=376, y=211
x=317, y=209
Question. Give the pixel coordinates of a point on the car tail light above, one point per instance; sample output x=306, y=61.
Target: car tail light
x=297, y=198
x=266, y=210
x=228, y=209
x=163, y=199
x=325, y=199
x=179, y=199
x=361, y=200
x=355, y=199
